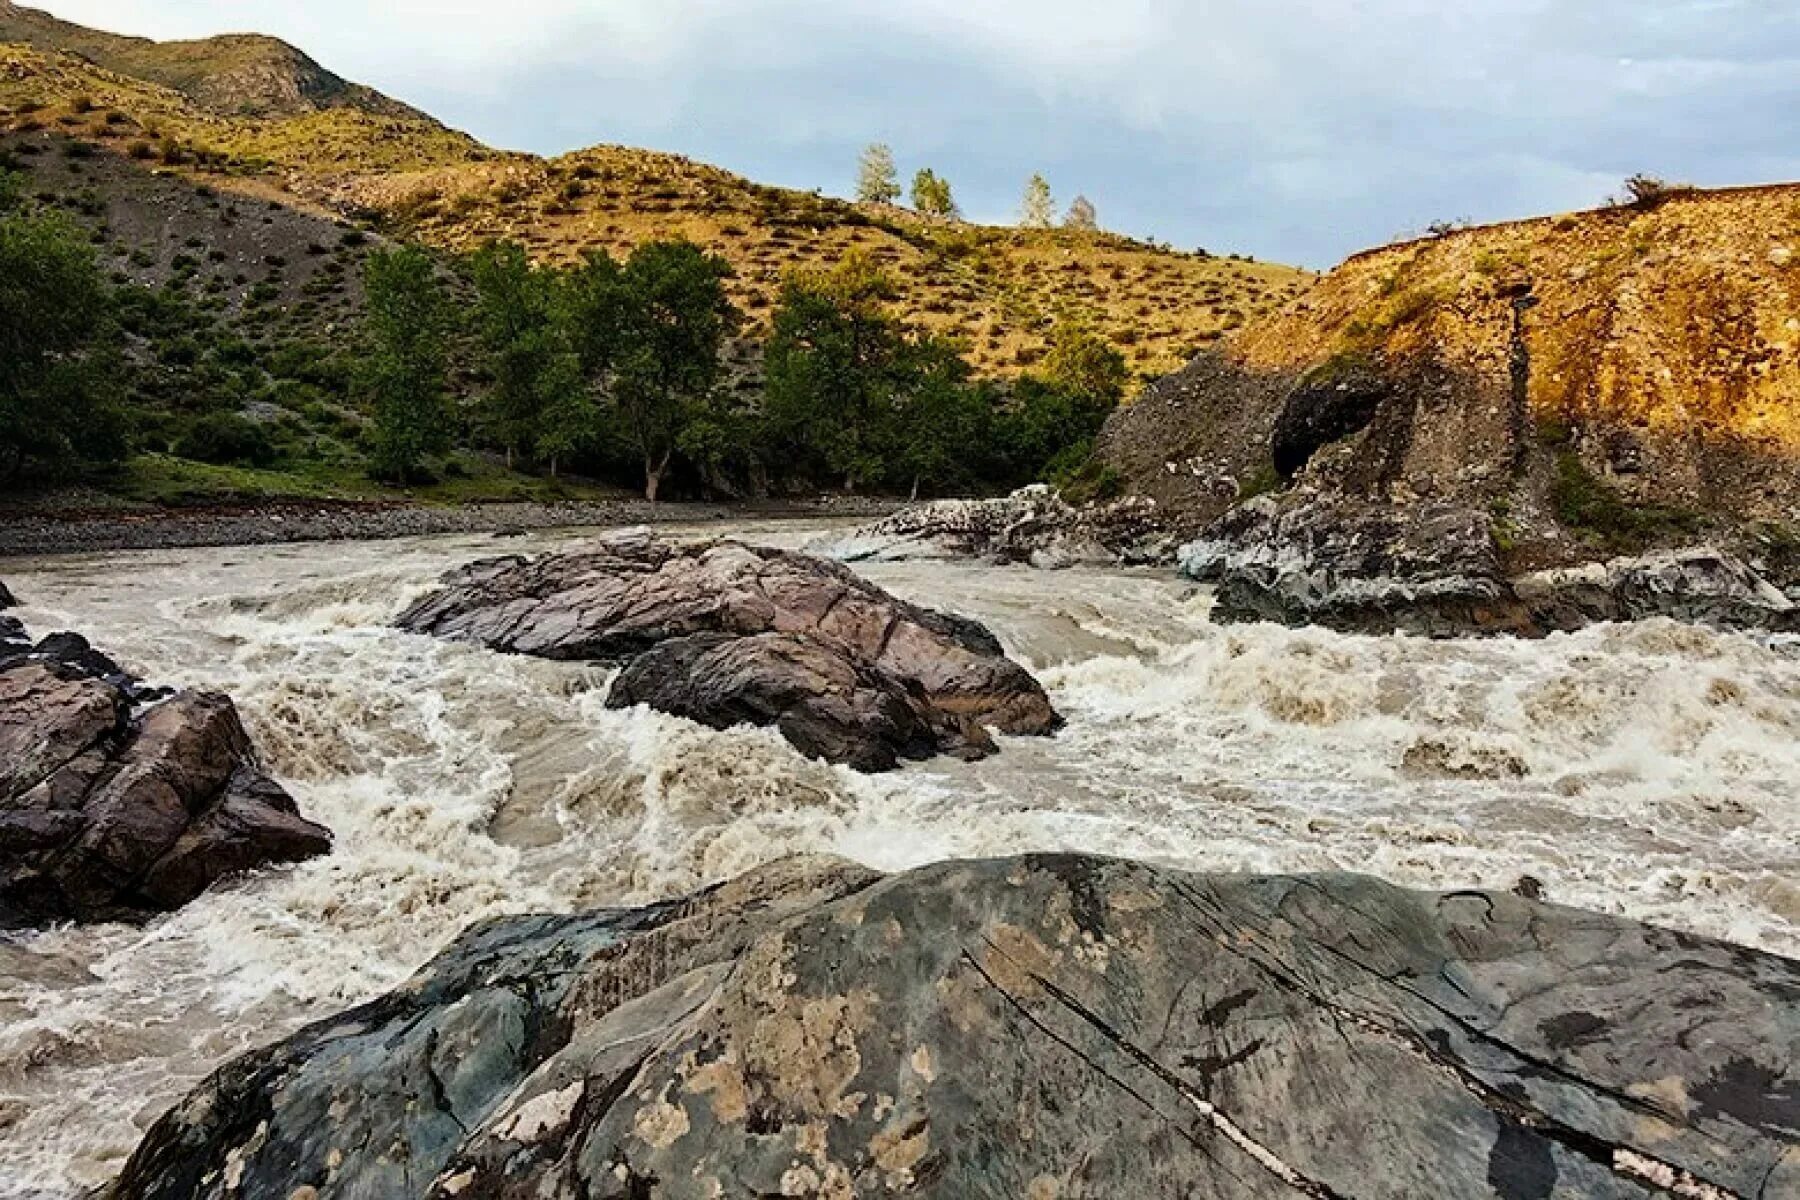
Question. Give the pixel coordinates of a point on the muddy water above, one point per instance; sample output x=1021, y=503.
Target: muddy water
x=1646, y=770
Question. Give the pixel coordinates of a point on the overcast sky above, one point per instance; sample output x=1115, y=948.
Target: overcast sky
x=1290, y=129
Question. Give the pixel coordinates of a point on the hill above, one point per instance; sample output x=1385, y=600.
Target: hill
x=1576, y=386
x=254, y=116
x=233, y=75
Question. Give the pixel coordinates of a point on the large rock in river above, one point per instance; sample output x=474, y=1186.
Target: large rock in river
x=727, y=634
x=116, y=801
x=1052, y=1026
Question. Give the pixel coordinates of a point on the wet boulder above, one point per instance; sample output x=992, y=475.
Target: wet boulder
x=1364, y=568
x=116, y=803
x=1437, y=570
x=846, y=671
x=1055, y=1025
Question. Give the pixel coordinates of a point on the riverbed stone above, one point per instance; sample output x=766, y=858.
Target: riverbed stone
x=1047, y=1026
x=848, y=672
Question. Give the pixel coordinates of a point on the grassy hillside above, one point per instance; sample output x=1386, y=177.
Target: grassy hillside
x=252, y=116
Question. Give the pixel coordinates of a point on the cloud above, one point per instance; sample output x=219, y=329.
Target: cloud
x=1296, y=129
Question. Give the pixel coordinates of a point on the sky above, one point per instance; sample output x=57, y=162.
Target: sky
x=1293, y=130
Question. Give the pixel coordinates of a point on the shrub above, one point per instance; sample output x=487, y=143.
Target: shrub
x=226, y=439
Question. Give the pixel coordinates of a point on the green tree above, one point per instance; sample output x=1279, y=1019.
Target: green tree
x=525, y=352
x=877, y=182
x=1049, y=424
x=58, y=344
x=667, y=367
x=1082, y=215
x=1038, y=210
x=403, y=370
x=931, y=195
x=1085, y=364
x=590, y=315
x=830, y=363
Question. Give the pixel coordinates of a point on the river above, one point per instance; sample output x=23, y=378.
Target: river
x=1648, y=770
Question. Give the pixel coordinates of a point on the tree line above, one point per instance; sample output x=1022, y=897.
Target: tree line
x=619, y=367
x=878, y=182
x=632, y=370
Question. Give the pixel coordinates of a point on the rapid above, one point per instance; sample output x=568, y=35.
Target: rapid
x=1648, y=770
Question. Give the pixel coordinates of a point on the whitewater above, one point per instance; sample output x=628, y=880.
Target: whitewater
x=1647, y=770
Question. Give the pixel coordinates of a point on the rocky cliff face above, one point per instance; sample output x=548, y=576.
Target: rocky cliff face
x=1052, y=1026
x=1580, y=387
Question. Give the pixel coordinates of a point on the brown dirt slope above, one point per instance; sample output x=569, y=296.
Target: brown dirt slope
x=1615, y=367
x=254, y=116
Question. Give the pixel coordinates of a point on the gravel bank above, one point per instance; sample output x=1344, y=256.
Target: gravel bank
x=28, y=533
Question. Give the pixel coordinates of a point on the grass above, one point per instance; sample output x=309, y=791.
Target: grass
x=1585, y=502
x=164, y=481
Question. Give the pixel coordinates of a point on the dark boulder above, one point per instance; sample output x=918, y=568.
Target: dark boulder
x=828, y=705
x=1050, y=1026
x=7, y=599
x=1360, y=568
x=113, y=811
x=900, y=670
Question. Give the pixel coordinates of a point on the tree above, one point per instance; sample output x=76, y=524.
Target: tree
x=1038, y=211
x=667, y=366
x=829, y=363
x=1053, y=416
x=58, y=343
x=524, y=349
x=931, y=195
x=1082, y=215
x=403, y=369
x=1084, y=364
x=876, y=179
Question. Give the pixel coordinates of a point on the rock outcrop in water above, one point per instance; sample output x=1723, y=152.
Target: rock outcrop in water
x=1437, y=571
x=1033, y=525
x=727, y=634
x=118, y=801
x=1052, y=1026
x=1559, y=394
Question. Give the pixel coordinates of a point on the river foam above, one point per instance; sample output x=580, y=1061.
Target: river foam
x=1644, y=770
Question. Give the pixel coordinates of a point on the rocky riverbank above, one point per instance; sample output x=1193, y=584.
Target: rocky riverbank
x=28, y=532
x=1049, y=1026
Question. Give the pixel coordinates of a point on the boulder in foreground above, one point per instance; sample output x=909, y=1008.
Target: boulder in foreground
x=1052, y=1026
x=726, y=633
x=118, y=802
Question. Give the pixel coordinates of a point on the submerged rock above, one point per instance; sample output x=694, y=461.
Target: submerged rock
x=728, y=634
x=113, y=811
x=1033, y=525
x=1047, y=1026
